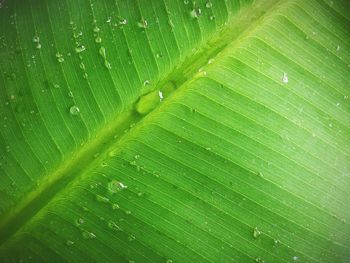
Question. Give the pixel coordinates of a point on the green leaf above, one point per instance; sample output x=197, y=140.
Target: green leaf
x=174, y=131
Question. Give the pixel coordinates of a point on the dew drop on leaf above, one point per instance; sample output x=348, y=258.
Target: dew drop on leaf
x=195, y=13
x=143, y=23
x=169, y=261
x=115, y=186
x=285, y=78
x=115, y=206
x=102, y=199
x=74, y=110
x=256, y=232
x=69, y=243
x=98, y=40
x=80, y=49
x=113, y=225
x=88, y=235
x=131, y=238
x=209, y=4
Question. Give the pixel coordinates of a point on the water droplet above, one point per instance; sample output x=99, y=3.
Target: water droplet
x=115, y=186
x=295, y=258
x=186, y=2
x=80, y=49
x=212, y=17
x=113, y=225
x=115, y=206
x=88, y=235
x=131, y=238
x=69, y=243
x=82, y=65
x=70, y=94
x=107, y=65
x=128, y=212
x=79, y=221
x=38, y=46
x=169, y=261
x=143, y=23
x=137, y=156
x=146, y=82
x=209, y=4
x=256, y=232
x=74, y=110
x=338, y=47
x=285, y=78
x=259, y=260
x=195, y=13
x=96, y=29
x=98, y=40
x=123, y=21
x=102, y=52
x=102, y=199
x=160, y=94
x=36, y=39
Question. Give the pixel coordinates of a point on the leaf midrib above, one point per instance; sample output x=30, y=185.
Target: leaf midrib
x=83, y=161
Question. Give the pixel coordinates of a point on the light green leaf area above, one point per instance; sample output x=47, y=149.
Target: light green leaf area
x=174, y=131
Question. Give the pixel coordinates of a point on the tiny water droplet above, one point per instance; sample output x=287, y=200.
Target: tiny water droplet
x=285, y=78
x=131, y=238
x=115, y=206
x=196, y=12
x=70, y=94
x=80, y=49
x=209, y=4
x=169, y=261
x=79, y=221
x=113, y=225
x=212, y=17
x=98, y=40
x=107, y=65
x=82, y=65
x=38, y=46
x=259, y=260
x=102, y=52
x=123, y=21
x=102, y=199
x=186, y=2
x=36, y=39
x=256, y=232
x=295, y=258
x=128, y=212
x=88, y=235
x=74, y=110
x=160, y=94
x=146, y=82
x=143, y=23
x=338, y=47
x=137, y=156
x=96, y=29
x=60, y=59
x=69, y=243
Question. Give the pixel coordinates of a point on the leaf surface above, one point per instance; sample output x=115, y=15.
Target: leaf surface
x=174, y=131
